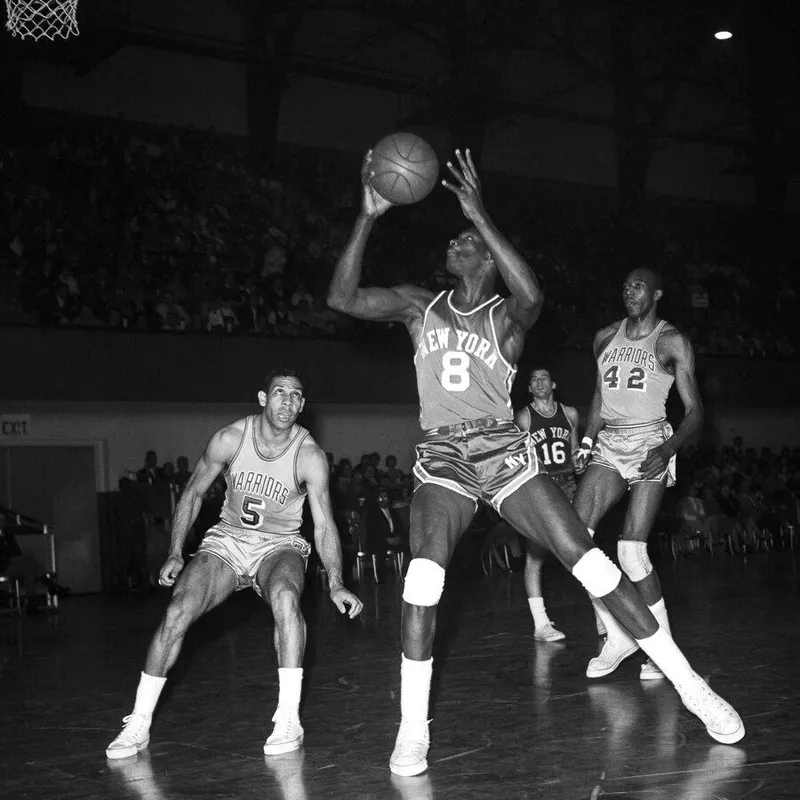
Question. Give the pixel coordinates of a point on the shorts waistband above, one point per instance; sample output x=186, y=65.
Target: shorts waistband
x=465, y=427
x=641, y=427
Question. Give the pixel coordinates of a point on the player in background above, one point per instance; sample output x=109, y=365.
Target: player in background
x=554, y=432
x=629, y=446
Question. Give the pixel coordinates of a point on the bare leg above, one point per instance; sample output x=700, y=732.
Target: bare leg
x=205, y=582
x=280, y=580
x=599, y=490
x=544, y=630
x=438, y=519
x=540, y=511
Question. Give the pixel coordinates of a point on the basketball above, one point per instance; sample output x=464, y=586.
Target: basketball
x=405, y=167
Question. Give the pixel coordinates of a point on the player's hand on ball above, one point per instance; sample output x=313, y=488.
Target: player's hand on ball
x=346, y=602
x=468, y=190
x=655, y=463
x=372, y=204
x=170, y=571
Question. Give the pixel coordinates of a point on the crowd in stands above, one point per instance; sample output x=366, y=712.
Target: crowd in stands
x=737, y=498
x=114, y=225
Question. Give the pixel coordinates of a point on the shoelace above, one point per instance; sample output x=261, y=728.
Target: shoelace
x=412, y=738
x=283, y=727
x=132, y=727
x=715, y=709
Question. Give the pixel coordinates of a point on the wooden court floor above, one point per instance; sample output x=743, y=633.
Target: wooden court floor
x=512, y=718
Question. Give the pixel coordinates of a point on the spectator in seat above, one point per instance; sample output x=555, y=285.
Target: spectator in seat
x=385, y=528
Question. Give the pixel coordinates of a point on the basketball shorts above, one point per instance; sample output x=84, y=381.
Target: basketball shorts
x=245, y=551
x=624, y=448
x=484, y=459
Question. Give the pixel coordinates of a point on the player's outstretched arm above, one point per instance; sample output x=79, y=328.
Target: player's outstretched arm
x=526, y=300
x=594, y=422
x=314, y=471
x=675, y=349
x=344, y=294
x=220, y=448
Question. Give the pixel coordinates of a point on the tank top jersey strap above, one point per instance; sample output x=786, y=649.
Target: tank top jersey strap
x=263, y=495
x=551, y=438
x=634, y=382
x=461, y=372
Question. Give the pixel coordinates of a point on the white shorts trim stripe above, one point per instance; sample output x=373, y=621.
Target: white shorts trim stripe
x=425, y=477
x=531, y=471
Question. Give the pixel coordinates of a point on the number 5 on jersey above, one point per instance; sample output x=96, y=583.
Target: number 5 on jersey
x=250, y=507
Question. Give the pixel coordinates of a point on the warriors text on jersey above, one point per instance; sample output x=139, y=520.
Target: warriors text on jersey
x=262, y=494
x=634, y=383
x=461, y=374
x=551, y=438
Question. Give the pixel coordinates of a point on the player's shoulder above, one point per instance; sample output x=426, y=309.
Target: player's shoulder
x=671, y=336
x=310, y=453
x=570, y=412
x=418, y=296
x=605, y=334
x=226, y=440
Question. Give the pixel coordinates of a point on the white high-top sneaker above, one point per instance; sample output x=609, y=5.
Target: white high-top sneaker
x=720, y=718
x=134, y=736
x=410, y=756
x=287, y=735
x=614, y=652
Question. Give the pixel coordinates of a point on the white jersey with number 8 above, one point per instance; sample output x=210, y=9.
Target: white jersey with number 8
x=461, y=374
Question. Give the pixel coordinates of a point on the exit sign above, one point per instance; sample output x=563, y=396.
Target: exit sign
x=15, y=426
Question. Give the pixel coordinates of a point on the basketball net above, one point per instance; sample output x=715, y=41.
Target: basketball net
x=42, y=19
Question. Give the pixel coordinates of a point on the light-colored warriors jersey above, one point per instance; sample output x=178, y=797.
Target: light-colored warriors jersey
x=551, y=438
x=262, y=493
x=461, y=374
x=635, y=384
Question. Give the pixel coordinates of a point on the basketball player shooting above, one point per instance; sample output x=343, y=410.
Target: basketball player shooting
x=271, y=465
x=629, y=445
x=467, y=342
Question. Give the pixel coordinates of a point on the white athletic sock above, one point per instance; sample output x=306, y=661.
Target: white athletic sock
x=659, y=610
x=667, y=655
x=415, y=689
x=148, y=693
x=538, y=612
x=614, y=631
x=290, y=684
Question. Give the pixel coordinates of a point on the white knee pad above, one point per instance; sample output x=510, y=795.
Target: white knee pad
x=634, y=560
x=597, y=572
x=424, y=582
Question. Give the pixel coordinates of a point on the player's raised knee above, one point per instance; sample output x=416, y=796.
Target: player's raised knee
x=424, y=582
x=597, y=572
x=634, y=560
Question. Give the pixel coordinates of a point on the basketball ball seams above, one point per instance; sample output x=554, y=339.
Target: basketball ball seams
x=405, y=167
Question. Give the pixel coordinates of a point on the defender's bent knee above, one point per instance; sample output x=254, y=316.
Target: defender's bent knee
x=597, y=572
x=634, y=560
x=424, y=582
